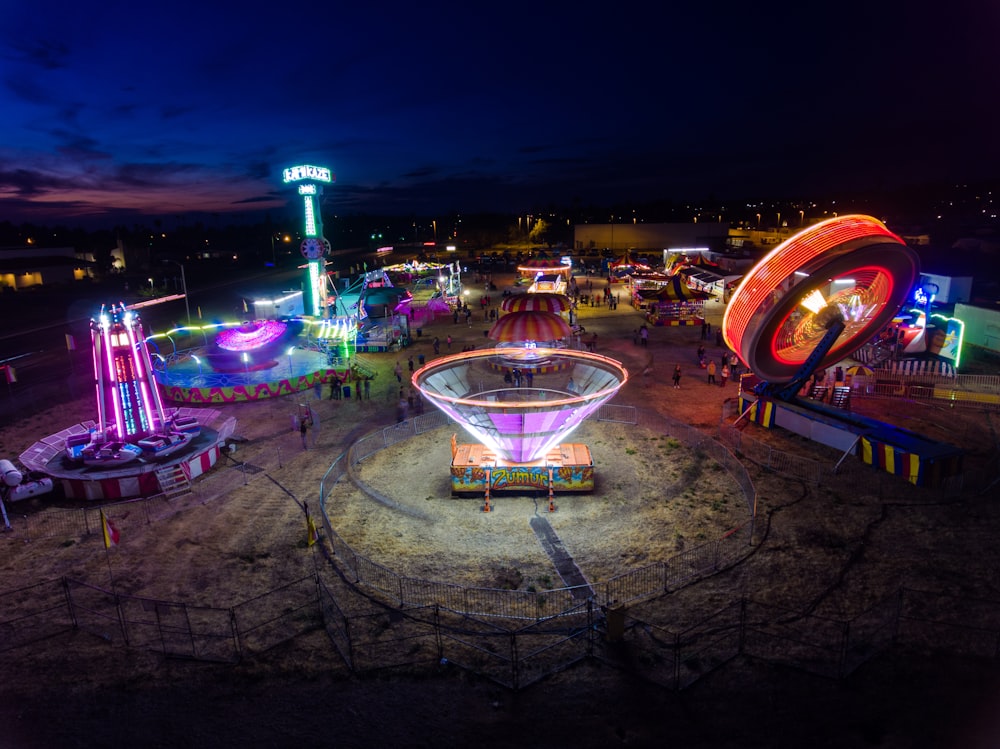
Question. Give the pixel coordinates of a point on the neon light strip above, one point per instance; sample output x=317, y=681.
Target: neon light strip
x=95, y=344
x=757, y=288
x=310, y=216
x=514, y=405
x=314, y=284
x=112, y=377
x=150, y=401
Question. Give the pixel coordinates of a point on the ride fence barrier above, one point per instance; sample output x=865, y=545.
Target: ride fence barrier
x=961, y=391
x=844, y=475
x=681, y=569
x=174, y=629
x=511, y=652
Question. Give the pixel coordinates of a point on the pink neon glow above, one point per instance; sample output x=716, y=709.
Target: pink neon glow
x=112, y=376
x=149, y=407
x=251, y=336
x=522, y=428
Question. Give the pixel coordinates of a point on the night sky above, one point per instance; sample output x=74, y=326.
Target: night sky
x=115, y=112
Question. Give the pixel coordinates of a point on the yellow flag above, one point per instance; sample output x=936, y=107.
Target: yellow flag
x=109, y=532
x=313, y=534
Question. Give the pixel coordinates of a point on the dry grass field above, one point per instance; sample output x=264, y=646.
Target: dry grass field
x=832, y=550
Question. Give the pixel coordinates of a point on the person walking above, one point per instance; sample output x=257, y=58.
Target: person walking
x=437, y=345
x=409, y=363
x=711, y=372
x=398, y=371
x=677, y=377
x=448, y=341
x=644, y=335
x=302, y=431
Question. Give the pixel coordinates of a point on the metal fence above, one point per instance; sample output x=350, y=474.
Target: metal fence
x=510, y=652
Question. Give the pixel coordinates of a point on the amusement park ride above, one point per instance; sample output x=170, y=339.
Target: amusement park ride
x=810, y=303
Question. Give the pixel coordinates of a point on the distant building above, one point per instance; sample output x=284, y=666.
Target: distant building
x=23, y=267
x=650, y=236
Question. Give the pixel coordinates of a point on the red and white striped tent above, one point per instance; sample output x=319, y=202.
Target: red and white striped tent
x=536, y=303
x=529, y=326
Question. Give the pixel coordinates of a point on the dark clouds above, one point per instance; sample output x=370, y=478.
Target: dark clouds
x=124, y=109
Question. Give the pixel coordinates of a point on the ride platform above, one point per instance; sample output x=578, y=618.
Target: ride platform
x=568, y=467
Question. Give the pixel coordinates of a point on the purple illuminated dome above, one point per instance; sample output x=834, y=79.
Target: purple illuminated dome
x=523, y=419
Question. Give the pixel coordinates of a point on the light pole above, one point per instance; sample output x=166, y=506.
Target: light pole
x=184, y=289
x=274, y=258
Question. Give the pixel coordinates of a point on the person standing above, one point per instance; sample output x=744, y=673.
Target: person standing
x=409, y=363
x=335, y=387
x=724, y=375
x=644, y=334
x=437, y=345
x=368, y=388
x=302, y=432
x=711, y=372
x=398, y=371
x=448, y=341
x=677, y=377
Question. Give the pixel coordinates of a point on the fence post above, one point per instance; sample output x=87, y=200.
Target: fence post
x=677, y=661
x=743, y=625
x=235, y=628
x=845, y=645
x=69, y=603
x=437, y=632
x=515, y=680
x=121, y=617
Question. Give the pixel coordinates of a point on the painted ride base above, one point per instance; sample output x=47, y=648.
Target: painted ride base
x=139, y=478
x=474, y=467
x=918, y=459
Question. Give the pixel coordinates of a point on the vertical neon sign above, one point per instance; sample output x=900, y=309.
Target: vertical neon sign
x=310, y=180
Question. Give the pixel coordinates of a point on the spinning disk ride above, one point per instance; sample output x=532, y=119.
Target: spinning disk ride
x=848, y=274
x=811, y=302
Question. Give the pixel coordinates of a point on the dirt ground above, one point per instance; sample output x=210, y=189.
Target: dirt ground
x=835, y=550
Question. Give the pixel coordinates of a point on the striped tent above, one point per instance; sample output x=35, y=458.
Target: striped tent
x=535, y=303
x=529, y=326
x=675, y=290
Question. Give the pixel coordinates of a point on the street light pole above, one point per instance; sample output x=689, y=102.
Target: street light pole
x=184, y=288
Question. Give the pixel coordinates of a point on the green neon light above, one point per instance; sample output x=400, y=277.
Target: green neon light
x=307, y=173
x=959, y=332
x=314, y=285
x=310, y=216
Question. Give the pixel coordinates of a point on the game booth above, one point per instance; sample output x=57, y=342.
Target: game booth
x=673, y=304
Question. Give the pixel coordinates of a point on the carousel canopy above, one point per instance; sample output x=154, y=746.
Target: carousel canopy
x=529, y=326
x=540, y=302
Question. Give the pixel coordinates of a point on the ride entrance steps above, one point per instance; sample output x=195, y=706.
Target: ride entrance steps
x=173, y=481
x=841, y=397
